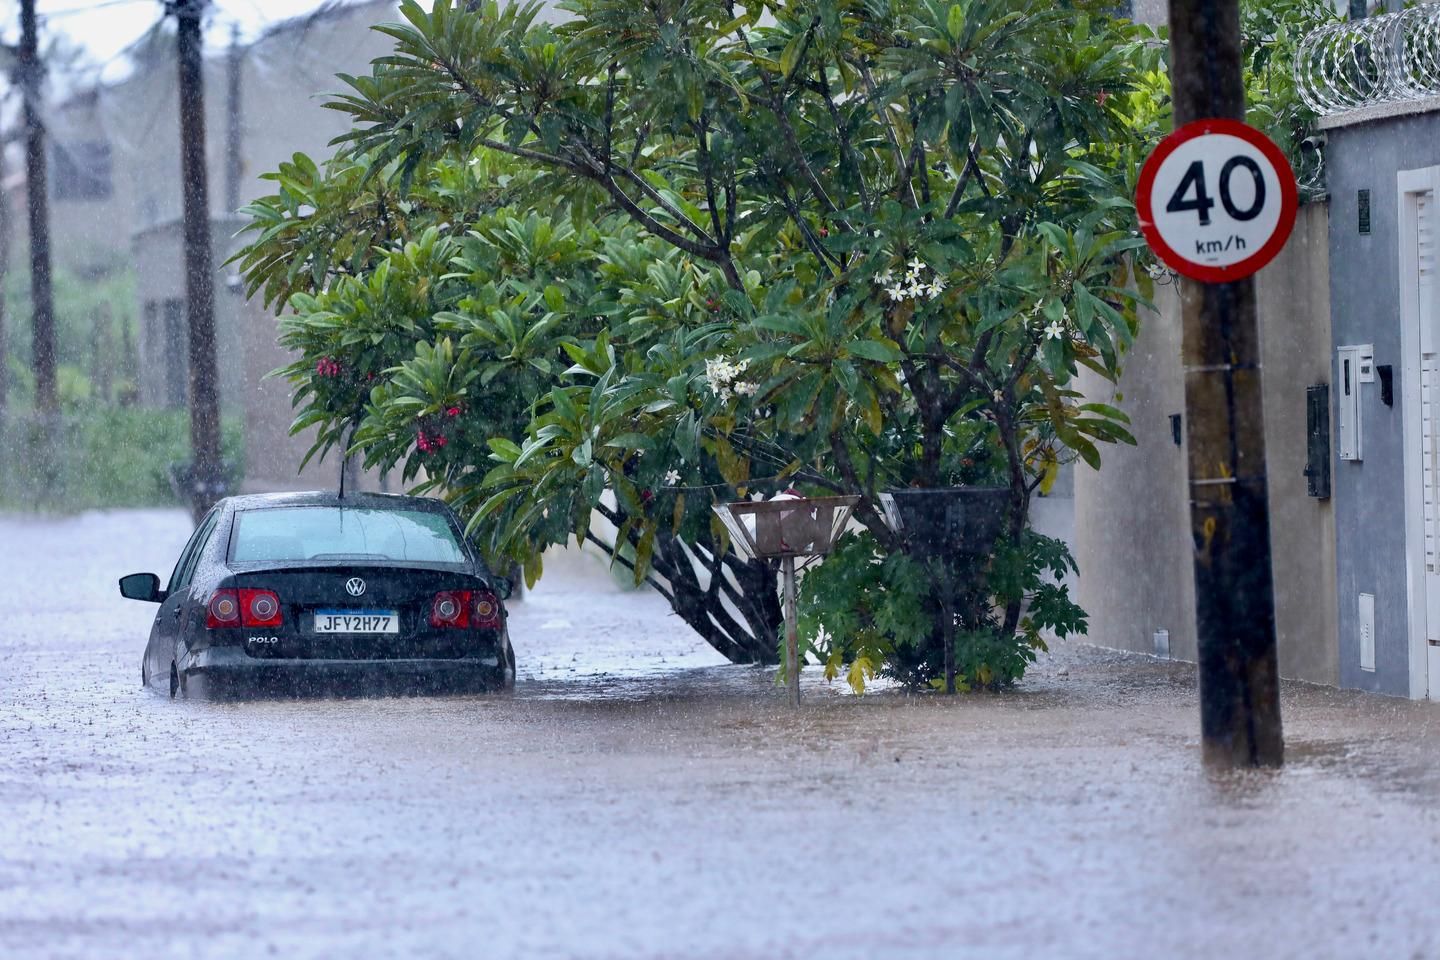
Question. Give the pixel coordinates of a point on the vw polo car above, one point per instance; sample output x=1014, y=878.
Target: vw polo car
x=311, y=593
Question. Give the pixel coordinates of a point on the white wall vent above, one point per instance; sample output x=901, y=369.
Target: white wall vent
x=1367, y=632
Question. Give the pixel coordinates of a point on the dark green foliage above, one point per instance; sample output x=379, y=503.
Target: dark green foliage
x=876, y=612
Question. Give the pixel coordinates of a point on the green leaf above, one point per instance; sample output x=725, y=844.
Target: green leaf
x=883, y=352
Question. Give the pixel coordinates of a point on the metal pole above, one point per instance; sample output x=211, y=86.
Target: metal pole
x=199, y=260
x=792, y=637
x=42, y=298
x=1229, y=506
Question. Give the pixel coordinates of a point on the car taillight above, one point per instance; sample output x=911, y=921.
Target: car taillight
x=487, y=610
x=260, y=608
x=223, y=610
x=249, y=608
x=451, y=608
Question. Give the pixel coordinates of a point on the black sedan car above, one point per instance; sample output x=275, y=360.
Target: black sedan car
x=310, y=593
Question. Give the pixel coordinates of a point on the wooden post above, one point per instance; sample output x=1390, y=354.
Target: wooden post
x=5, y=235
x=199, y=262
x=42, y=299
x=1229, y=504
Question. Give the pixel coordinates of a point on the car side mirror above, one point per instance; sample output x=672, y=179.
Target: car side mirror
x=142, y=586
x=503, y=587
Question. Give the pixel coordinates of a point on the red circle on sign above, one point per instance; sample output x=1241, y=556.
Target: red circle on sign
x=1289, y=201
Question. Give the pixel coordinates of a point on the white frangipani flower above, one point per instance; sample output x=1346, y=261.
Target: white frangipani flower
x=672, y=477
x=721, y=376
x=912, y=285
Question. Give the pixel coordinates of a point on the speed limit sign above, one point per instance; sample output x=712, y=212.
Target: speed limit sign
x=1217, y=200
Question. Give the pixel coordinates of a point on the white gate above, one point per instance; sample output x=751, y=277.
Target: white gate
x=1420, y=315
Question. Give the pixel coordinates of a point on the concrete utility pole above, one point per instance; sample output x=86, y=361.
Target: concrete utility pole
x=1229, y=504
x=206, y=469
x=5, y=236
x=234, y=126
x=42, y=298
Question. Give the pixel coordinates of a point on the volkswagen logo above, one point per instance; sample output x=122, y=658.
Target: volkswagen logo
x=354, y=586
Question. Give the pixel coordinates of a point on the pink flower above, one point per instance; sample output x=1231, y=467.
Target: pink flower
x=453, y=412
x=440, y=440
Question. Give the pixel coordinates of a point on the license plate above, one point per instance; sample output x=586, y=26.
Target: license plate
x=357, y=621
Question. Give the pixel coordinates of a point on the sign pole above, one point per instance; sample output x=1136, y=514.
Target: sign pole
x=1229, y=506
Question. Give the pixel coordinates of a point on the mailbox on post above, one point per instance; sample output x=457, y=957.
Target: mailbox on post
x=785, y=528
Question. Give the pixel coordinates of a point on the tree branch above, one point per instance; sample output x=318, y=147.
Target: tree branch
x=614, y=555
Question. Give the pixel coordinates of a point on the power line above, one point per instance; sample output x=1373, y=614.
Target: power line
x=72, y=11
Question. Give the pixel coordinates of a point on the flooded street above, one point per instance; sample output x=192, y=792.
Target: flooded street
x=638, y=798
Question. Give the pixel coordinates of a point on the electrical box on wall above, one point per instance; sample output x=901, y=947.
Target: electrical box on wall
x=1356, y=366
x=1317, y=441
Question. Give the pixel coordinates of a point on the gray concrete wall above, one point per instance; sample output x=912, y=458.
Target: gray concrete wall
x=1132, y=517
x=1365, y=292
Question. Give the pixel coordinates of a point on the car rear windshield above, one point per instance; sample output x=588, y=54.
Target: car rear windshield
x=343, y=533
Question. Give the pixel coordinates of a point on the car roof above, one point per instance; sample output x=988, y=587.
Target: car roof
x=329, y=498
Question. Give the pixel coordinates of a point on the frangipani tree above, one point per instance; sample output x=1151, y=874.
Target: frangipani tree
x=843, y=245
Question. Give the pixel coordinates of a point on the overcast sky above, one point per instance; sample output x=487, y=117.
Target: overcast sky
x=106, y=27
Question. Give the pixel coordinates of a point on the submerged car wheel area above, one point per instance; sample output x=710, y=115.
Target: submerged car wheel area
x=317, y=595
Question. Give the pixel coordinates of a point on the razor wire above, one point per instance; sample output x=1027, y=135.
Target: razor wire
x=1390, y=58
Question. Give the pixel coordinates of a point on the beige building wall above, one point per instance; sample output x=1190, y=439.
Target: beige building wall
x=1132, y=517
x=1294, y=294
x=158, y=256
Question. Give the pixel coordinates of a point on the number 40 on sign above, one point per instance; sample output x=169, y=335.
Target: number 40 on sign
x=1217, y=200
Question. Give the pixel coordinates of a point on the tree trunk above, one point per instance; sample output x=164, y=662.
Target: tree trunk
x=734, y=606
x=745, y=631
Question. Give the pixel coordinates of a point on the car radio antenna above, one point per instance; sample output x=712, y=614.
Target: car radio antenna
x=345, y=461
